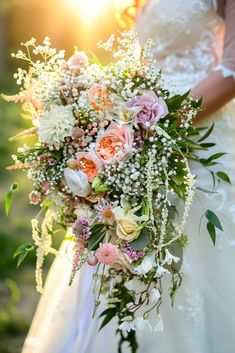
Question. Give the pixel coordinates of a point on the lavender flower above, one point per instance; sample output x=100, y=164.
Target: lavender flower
x=81, y=229
x=134, y=255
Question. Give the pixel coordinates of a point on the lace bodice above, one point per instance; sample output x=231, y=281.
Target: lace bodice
x=192, y=37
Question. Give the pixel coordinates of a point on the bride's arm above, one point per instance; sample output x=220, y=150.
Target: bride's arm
x=219, y=86
x=215, y=91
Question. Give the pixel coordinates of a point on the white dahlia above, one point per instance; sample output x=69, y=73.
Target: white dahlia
x=56, y=124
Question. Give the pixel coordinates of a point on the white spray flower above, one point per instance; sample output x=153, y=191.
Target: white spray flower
x=154, y=295
x=77, y=182
x=169, y=258
x=146, y=265
x=127, y=325
x=160, y=271
x=159, y=325
x=142, y=325
x=56, y=124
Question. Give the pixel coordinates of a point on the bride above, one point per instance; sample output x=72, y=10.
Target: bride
x=195, y=46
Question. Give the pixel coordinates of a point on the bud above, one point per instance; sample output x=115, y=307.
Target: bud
x=92, y=260
x=101, y=188
x=96, y=182
x=72, y=163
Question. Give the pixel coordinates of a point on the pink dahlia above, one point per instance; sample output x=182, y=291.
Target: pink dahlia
x=107, y=254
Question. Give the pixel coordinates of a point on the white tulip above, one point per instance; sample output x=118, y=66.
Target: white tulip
x=77, y=182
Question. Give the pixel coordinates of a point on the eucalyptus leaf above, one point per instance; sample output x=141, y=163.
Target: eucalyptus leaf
x=9, y=196
x=142, y=241
x=173, y=198
x=212, y=218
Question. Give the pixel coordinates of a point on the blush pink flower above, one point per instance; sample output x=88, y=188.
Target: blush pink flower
x=77, y=62
x=88, y=163
x=153, y=108
x=115, y=143
x=107, y=253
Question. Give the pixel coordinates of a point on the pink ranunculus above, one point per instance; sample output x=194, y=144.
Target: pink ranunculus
x=89, y=164
x=77, y=62
x=154, y=108
x=115, y=144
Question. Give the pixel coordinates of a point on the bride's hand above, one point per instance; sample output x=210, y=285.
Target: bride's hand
x=215, y=91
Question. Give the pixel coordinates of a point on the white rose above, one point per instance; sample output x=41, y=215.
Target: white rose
x=77, y=182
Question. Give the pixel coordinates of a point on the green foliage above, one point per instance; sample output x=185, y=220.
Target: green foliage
x=213, y=222
x=223, y=176
x=22, y=251
x=142, y=241
x=207, y=134
x=9, y=196
x=98, y=232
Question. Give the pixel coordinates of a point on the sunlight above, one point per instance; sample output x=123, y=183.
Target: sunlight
x=89, y=8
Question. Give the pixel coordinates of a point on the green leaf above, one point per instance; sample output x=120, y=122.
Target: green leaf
x=196, y=103
x=8, y=200
x=216, y=156
x=108, y=317
x=209, y=131
x=211, y=231
x=212, y=218
x=223, y=176
x=207, y=162
x=142, y=241
x=208, y=144
x=94, y=241
x=176, y=101
x=96, y=228
x=22, y=251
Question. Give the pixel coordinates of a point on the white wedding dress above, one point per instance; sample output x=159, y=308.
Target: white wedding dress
x=190, y=43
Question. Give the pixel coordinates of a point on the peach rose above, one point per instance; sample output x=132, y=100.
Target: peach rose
x=89, y=164
x=115, y=143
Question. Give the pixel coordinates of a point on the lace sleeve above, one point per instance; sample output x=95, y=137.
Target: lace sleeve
x=227, y=64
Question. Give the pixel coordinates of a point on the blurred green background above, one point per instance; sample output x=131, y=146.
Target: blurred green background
x=68, y=23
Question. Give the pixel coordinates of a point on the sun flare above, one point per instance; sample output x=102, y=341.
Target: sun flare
x=90, y=8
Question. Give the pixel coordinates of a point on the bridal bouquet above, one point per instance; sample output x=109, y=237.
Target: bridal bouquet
x=110, y=165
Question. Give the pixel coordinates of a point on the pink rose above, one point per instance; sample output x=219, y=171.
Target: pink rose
x=77, y=62
x=89, y=164
x=154, y=108
x=115, y=143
